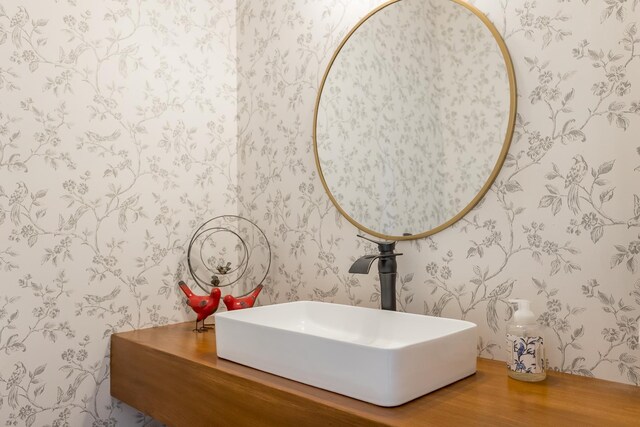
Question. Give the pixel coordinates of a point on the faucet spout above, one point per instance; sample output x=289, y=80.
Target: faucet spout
x=387, y=270
x=363, y=264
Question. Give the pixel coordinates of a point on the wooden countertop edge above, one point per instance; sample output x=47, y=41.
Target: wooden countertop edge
x=314, y=394
x=298, y=398
x=610, y=401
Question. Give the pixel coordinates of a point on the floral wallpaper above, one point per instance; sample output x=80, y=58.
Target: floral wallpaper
x=124, y=124
x=560, y=226
x=117, y=137
x=400, y=111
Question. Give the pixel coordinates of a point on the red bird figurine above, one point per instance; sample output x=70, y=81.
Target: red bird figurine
x=244, y=301
x=204, y=306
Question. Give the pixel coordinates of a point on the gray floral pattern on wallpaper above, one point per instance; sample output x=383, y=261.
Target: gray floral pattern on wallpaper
x=560, y=226
x=398, y=120
x=117, y=137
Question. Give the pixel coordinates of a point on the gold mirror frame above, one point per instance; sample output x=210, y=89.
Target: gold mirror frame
x=501, y=157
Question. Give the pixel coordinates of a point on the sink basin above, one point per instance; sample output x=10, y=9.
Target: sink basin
x=382, y=357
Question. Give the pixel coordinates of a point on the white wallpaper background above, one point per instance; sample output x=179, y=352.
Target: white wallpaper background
x=560, y=226
x=118, y=134
x=400, y=114
x=117, y=137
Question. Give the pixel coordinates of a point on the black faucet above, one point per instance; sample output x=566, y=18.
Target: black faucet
x=387, y=269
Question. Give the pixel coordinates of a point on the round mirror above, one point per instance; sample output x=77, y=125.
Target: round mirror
x=414, y=117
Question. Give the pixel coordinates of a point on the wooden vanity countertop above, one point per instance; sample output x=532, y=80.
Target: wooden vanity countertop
x=174, y=375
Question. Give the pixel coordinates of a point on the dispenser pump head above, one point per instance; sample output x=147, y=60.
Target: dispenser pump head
x=522, y=314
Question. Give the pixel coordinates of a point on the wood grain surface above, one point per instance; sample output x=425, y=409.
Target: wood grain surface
x=174, y=375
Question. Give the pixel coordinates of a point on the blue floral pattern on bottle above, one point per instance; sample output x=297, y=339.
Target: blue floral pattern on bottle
x=527, y=354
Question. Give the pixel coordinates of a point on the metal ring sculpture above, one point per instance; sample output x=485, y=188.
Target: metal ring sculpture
x=205, y=233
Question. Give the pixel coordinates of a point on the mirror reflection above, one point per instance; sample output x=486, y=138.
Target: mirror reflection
x=413, y=115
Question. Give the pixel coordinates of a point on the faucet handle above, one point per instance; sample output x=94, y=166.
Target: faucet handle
x=362, y=236
x=383, y=247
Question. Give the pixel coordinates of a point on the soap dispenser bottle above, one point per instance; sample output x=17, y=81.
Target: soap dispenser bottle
x=525, y=345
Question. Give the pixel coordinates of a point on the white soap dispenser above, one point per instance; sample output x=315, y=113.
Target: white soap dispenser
x=525, y=345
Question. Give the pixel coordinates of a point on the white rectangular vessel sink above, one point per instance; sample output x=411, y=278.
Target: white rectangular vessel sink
x=383, y=357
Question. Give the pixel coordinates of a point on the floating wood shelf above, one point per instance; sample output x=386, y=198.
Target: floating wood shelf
x=174, y=375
